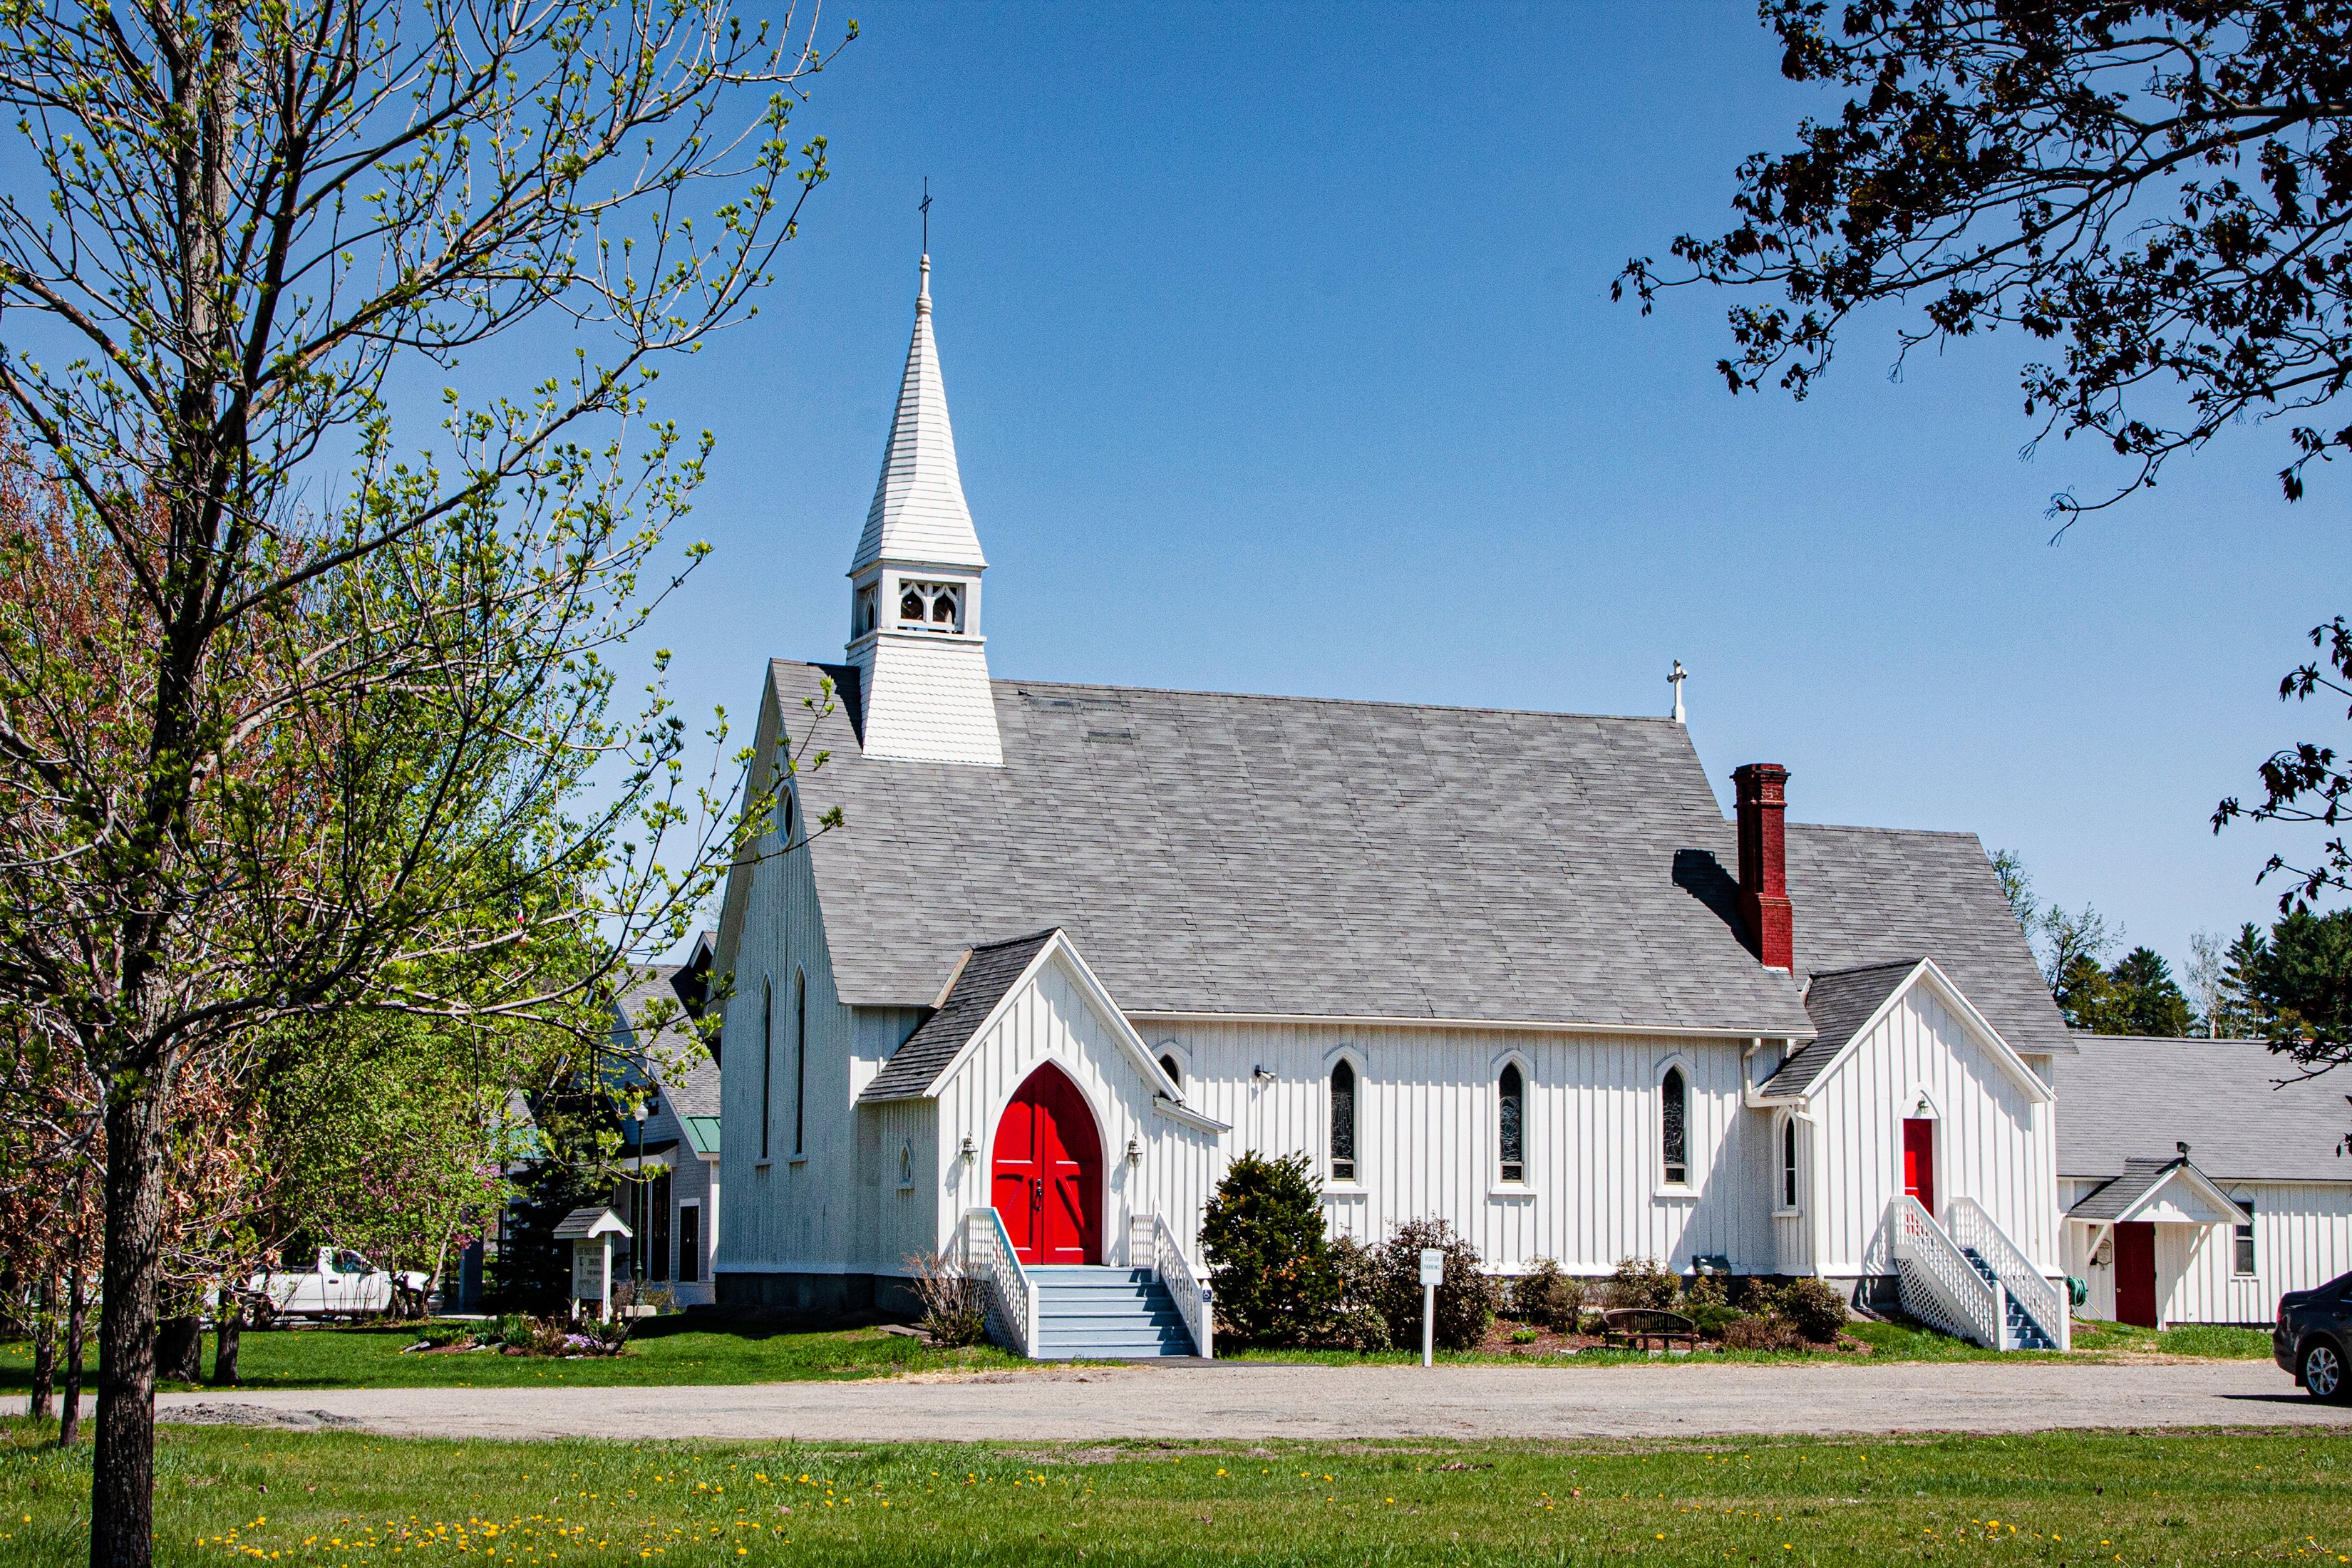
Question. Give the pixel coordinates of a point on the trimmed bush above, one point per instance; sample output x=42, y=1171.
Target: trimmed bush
x=1815, y=1309
x=1713, y=1319
x=1269, y=1263
x=1548, y=1297
x=1465, y=1302
x=1642, y=1282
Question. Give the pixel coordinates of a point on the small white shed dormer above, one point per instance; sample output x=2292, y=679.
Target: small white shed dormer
x=914, y=586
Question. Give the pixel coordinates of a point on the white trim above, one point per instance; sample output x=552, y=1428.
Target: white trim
x=1163, y=1106
x=1531, y=1025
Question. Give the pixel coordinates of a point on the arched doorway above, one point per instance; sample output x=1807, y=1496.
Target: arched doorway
x=1046, y=1172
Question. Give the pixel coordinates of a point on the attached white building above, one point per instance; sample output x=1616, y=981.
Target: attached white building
x=1077, y=947
x=2201, y=1179
x=668, y=1187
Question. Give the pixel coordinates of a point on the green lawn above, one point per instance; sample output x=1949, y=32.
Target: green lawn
x=663, y=1351
x=341, y=1500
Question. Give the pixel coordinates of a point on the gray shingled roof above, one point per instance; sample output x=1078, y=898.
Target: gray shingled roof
x=1839, y=1004
x=696, y=1092
x=2128, y=1097
x=1876, y=895
x=986, y=976
x=2139, y=1177
x=1215, y=853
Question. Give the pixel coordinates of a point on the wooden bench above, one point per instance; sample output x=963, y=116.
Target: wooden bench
x=1647, y=1327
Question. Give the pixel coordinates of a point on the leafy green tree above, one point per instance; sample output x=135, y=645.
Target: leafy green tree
x=2017, y=887
x=1263, y=1235
x=2158, y=189
x=2146, y=999
x=2086, y=994
x=262, y=759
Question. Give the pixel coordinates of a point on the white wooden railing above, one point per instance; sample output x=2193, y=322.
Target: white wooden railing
x=1971, y=1227
x=1005, y=1286
x=1937, y=1284
x=1151, y=1245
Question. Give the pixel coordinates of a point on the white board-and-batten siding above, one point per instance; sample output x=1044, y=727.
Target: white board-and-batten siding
x=1428, y=1134
x=1994, y=1142
x=2303, y=1238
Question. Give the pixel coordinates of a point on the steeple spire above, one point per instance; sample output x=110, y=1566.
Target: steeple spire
x=919, y=512
x=914, y=585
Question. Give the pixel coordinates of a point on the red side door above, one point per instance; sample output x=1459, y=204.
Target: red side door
x=2135, y=1273
x=1046, y=1173
x=1919, y=1160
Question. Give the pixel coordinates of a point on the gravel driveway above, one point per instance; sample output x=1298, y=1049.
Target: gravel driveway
x=1235, y=1400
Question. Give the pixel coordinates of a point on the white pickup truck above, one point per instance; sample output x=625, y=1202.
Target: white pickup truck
x=341, y=1285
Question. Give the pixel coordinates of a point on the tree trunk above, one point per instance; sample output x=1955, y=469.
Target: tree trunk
x=180, y=1348
x=45, y=1351
x=69, y=1418
x=224, y=1345
x=122, y=1475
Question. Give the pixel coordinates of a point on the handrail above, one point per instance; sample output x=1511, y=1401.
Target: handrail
x=1012, y=1295
x=2027, y=1285
x=1151, y=1245
x=1941, y=1286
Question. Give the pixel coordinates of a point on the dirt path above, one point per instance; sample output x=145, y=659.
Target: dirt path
x=1245, y=1400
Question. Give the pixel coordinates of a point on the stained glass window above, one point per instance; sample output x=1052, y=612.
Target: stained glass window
x=1673, y=1118
x=1343, y=1123
x=1514, y=1094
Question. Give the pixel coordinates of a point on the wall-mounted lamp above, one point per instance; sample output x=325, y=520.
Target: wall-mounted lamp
x=969, y=1150
x=1261, y=1075
x=1134, y=1151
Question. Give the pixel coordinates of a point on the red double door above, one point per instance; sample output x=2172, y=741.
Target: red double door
x=1046, y=1172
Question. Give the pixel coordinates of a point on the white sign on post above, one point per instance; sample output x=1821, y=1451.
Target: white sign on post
x=1432, y=1275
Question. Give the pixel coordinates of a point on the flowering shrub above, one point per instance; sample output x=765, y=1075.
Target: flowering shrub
x=1356, y=1323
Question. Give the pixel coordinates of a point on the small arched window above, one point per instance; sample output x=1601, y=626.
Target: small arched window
x=767, y=1059
x=910, y=606
x=1343, y=1123
x=1674, y=1128
x=1789, y=1162
x=1175, y=1074
x=1512, y=1089
x=907, y=1164
x=800, y=1062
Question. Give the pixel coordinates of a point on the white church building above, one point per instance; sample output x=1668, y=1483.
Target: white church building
x=1076, y=947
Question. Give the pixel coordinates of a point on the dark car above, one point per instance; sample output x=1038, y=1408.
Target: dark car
x=2312, y=1335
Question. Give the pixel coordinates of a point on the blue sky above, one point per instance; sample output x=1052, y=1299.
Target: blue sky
x=1281, y=358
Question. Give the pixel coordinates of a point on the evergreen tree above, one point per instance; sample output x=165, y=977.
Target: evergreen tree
x=2147, y=1000
x=2238, y=1012
x=2087, y=996
x=1263, y=1235
x=2305, y=980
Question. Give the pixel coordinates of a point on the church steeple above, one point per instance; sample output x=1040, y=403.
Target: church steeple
x=914, y=585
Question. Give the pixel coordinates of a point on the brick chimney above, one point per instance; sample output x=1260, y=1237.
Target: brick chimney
x=1762, y=791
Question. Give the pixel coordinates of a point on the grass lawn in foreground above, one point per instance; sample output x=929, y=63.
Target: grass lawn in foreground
x=663, y=1351
x=332, y=1500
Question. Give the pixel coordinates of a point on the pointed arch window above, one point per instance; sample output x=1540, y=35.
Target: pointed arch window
x=1511, y=1091
x=1789, y=1163
x=1343, y=1121
x=800, y=1062
x=767, y=1059
x=1175, y=1073
x=1674, y=1128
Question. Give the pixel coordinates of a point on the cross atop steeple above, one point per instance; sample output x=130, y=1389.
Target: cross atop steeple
x=1675, y=681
